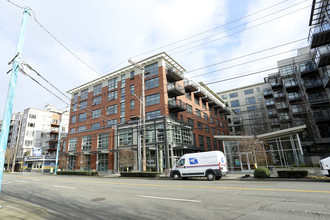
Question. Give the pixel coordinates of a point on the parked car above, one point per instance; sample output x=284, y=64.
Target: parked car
x=325, y=166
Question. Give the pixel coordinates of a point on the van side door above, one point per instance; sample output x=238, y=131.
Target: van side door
x=181, y=166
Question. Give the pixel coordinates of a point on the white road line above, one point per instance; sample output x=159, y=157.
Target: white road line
x=164, y=198
x=6, y=183
x=20, y=181
x=67, y=187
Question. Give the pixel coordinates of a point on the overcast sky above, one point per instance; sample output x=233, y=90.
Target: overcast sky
x=104, y=34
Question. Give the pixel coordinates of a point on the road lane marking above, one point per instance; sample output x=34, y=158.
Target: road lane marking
x=181, y=186
x=20, y=181
x=164, y=198
x=66, y=187
x=6, y=183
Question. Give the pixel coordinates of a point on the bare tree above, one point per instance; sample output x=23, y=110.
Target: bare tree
x=83, y=161
x=126, y=158
x=9, y=156
x=62, y=162
x=255, y=151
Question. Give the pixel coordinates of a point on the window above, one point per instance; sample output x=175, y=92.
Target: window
x=160, y=133
x=234, y=103
x=34, y=116
x=132, y=104
x=122, y=120
x=269, y=102
x=252, y=108
x=113, y=83
x=31, y=125
x=122, y=94
x=211, y=119
x=237, y=111
x=122, y=109
x=152, y=83
x=103, y=140
x=97, y=100
x=132, y=90
x=204, y=104
x=151, y=70
x=250, y=100
x=132, y=74
x=188, y=95
x=258, y=89
x=287, y=70
x=260, y=98
x=96, y=126
x=205, y=117
x=207, y=129
x=97, y=89
x=86, y=142
x=200, y=126
x=198, y=113
x=248, y=91
x=153, y=114
x=208, y=143
x=201, y=141
x=123, y=80
x=181, y=162
x=125, y=137
x=150, y=134
x=73, y=119
x=74, y=107
x=96, y=113
x=28, y=143
x=75, y=97
x=112, y=109
x=290, y=82
x=72, y=144
x=72, y=130
x=82, y=117
x=196, y=100
x=152, y=99
x=83, y=104
x=233, y=95
x=186, y=136
x=81, y=128
x=113, y=95
x=191, y=122
x=84, y=94
x=224, y=96
x=112, y=122
x=189, y=108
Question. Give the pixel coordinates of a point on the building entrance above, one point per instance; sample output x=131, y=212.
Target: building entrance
x=246, y=161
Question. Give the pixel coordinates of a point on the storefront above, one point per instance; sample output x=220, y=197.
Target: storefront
x=41, y=164
x=275, y=149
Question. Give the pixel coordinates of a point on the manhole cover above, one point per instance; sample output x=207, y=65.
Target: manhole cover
x=98, y=199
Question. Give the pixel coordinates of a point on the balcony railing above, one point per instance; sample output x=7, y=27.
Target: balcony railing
x=190, y=86
x=319, y=35
x=326, y=77
x=313, y=84
x=278, y=95
x=176, y=105
x=294, y=97
x=308, y=68
x=322, y=56
x=173, y=75
x=174, y=90
x=322, y=115
x=268, y=92
x=318, y=98
x=281, y=106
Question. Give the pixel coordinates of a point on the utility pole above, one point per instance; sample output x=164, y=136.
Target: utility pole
x=11, y=94
x=58, y=142
x=16, y=146
x=143, y=115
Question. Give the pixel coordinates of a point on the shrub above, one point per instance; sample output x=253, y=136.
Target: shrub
x=139, y=174
x=81, y=173
x=292, y=173
x=261, y=172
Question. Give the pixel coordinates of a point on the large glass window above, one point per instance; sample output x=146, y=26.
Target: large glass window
x=152, y=99
x=81, y=128
x=113, y=83
x=122, y=109
x=198, y=113
x=150, y=134
x=86, y=142
x=123, y=80
x=73, y=119
x=125, y=137
x=113, y=95
x=287, y=70
x=122, y=94
x=151, y=70
x=250, y=100
x=97, y=100
x=102, y=162
x=153, y=114
x=96, y=113
x=160, y=133
x=112, y=122
x=187, y=136
x=103, y=140
x=112, y=109
x=152, y=83
x=233, y=95
x=189, y=108
x=96, y=126
x=132, y=89
x=75, y=97
x=97, y=89
x=205, y=117
x=201, y=141
x=224, y=96
x=82, y=117
x=72, y=144
x=83, y=104
x=208, y=143
x=84, y=94
x=248, y=91
x=234, y=103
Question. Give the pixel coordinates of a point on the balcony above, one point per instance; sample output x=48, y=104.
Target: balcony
x=298, y=110
x=173, y=75
x=307, y=69
x=313, y=84
x=272, y=113
x=318, y=99
x=269, y=103
x=268, y=93
x=322, y=57
x=190, y=86
x=174, y=90
x=322, y=116
x=176, y=106
x=285, y=119
x=281, y=106
x=293, y=84
x=326, y=77
x=200, y=93
x=319, y=35
x=274, y=124
x=294, y=97
x=279, y=95
x=206, y=99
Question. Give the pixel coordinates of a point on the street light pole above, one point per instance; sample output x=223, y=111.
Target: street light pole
x=144, y=155
x=16, y=146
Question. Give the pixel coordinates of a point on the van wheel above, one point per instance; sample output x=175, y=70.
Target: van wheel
x=217, y=177
x=176, y=176
x=210, y=176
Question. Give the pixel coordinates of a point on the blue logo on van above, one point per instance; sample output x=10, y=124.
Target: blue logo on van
x=193, y=161
x=222, y=160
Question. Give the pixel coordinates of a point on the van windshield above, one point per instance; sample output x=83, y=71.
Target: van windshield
x=181, y=162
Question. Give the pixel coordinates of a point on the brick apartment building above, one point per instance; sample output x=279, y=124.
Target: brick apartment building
x=181, y=116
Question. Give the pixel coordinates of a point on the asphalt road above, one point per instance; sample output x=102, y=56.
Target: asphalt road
x=74, y=197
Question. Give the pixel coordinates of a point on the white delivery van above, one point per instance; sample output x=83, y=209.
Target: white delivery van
x=325, y=166
x=211, y=164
